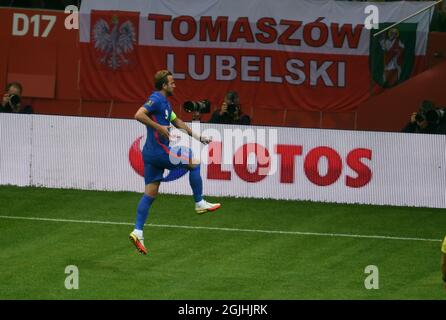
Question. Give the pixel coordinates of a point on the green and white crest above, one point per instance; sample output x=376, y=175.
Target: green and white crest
x=392, y=54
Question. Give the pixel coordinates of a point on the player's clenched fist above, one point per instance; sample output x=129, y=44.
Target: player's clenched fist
x=205, y=140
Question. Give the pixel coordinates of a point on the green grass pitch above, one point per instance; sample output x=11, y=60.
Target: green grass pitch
x=219, y=260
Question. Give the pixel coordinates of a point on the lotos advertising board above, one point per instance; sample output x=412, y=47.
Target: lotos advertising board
x=255, y=162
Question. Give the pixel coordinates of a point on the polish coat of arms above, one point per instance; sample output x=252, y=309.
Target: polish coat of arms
x=114, y=42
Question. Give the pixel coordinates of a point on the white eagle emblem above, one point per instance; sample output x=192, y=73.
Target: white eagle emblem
x=115, y=43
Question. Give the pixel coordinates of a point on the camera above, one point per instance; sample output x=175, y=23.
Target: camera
x=14, y=100
x=203, y=106
x=428, y=113
x=232, y=107
x=420, y=117
x=431, y=116
x=232, y=102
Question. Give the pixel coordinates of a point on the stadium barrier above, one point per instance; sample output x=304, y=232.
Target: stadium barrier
x=285, y=163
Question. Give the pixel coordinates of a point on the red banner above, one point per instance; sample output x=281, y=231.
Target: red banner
x=272, y=61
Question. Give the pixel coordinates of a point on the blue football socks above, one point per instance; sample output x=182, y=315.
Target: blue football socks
x=143, y=211
x=196, y=183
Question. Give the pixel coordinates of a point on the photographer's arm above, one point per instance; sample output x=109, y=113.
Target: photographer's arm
x=142, y=115
x=4, y=104
x=412, y=125
x=5, y=100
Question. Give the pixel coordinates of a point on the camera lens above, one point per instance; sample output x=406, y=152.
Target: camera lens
x=14, y=99
x=419, y=117
x=189, y=106
x=231, y=108
x=432, y=116
x=204, y=106
x=199, y=106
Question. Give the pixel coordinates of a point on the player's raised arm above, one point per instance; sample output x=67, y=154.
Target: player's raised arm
x=179, y=124
x=142, y=115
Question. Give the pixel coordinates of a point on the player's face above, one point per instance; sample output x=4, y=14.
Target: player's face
x=170, y=86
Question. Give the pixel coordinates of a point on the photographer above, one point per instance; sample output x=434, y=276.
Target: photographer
x=230, y=112
x=428, y=119
x=11, y=102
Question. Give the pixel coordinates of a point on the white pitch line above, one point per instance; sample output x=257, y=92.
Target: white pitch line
x=227, y=229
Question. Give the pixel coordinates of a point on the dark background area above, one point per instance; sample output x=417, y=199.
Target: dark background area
x=44, y=4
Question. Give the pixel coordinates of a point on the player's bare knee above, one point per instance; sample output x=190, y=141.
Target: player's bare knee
x=194, y=163
x=151, y=194
x=152, y=189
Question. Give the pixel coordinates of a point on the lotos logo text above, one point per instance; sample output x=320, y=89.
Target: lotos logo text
x=253, y=162
x=287, y=155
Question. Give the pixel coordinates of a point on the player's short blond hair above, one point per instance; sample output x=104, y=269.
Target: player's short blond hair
x=443, y=247
x=161, y=78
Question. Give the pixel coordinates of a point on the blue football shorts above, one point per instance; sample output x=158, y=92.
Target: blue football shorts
x=155, y=164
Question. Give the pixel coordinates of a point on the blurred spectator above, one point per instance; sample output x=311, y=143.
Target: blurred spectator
x=428, y=119
x=11, y=102
x=230, y=111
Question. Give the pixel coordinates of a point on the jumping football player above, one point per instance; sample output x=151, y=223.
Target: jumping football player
x=157, y=115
